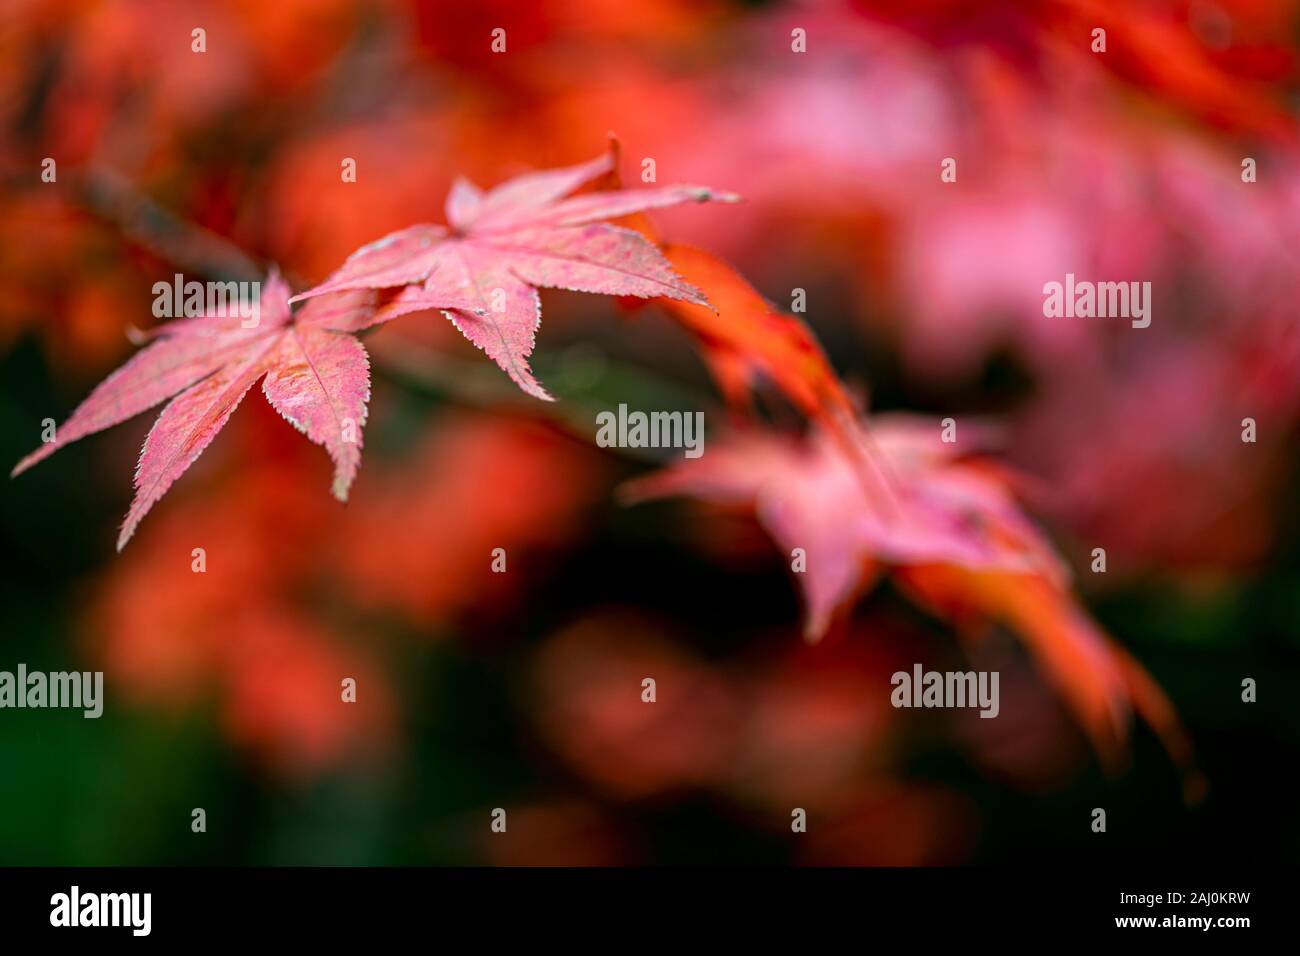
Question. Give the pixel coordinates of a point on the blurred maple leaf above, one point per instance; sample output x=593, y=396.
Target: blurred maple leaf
x=808, y=496
x=748, y=337
x=957, y=542
x=743, y=336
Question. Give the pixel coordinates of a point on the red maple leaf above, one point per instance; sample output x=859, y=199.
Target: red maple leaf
x=957, y=543
x=317, y=378
x=504, y=243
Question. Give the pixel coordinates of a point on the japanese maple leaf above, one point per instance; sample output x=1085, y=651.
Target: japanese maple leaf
x=745, y=338
x=316, y=377
x=957, y=543
x=808, y=495
x=502, y=244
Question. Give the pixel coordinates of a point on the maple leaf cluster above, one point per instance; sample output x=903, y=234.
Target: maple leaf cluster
x=483, y=273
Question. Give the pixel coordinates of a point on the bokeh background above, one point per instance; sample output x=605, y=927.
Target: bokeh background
x=522, y=690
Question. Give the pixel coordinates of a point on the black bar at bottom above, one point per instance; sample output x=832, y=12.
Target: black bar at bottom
x=331, y=905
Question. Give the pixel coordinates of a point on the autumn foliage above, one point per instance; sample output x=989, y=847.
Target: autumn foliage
x=828, y=301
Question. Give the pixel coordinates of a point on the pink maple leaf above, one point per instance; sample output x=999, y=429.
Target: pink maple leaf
x=957, y=544
x=318, y=378
x=808, y=495
x=504, y=243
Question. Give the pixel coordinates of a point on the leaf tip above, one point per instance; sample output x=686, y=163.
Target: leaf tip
x=28, y=461
x=695, y=296
x=613, y=148
x=530, y=386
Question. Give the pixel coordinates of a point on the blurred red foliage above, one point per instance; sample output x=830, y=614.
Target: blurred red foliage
x=282, y=613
